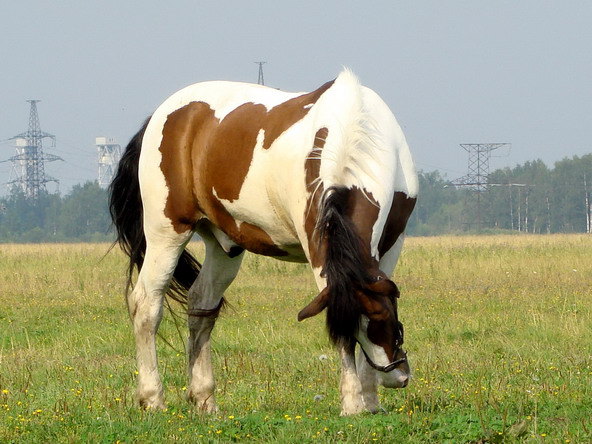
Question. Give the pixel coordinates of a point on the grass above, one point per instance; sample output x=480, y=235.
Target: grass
x=498, y=330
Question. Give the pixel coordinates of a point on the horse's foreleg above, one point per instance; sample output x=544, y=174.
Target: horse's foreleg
x=217, y=273
x=350, y=386
x=369, y=382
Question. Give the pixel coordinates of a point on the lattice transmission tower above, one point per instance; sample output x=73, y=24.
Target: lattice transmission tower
x=28, y=164
x=260, y=79
x=109, y=155
x=476, y=180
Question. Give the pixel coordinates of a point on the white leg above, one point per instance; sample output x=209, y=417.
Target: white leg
x=217, y=273
x=369, y=383
x=145, y=308
x=389, y=260
x=351, y=389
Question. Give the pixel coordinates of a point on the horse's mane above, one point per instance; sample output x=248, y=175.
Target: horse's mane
x=351, y=154
x=345, y=268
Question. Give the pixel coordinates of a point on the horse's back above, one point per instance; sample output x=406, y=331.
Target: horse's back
x=207, y=154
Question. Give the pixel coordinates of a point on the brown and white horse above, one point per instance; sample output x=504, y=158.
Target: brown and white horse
x=324, y=177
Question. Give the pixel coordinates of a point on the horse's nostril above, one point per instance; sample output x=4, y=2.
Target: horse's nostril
x=404, y=380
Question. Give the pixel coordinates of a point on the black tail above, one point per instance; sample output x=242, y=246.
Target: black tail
x=125, y=206
x=344, y=268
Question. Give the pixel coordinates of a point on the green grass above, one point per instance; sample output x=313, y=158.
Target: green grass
x=498, y=330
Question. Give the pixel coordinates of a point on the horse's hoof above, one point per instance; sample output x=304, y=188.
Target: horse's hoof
x=148, y=404
x=353, y=409
x=203, y=404
x=151, y=399
x=378, y=409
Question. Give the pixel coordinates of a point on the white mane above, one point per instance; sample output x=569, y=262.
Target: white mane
x=354, y=153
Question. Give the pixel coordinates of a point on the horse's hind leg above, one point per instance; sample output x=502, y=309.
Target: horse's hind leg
x=217, y=273
x=145, y=308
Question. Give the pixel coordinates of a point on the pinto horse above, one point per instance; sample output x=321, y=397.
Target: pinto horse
x=324, y=177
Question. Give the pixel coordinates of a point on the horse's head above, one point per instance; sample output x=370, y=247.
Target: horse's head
x=373, y=315
x=380, y=334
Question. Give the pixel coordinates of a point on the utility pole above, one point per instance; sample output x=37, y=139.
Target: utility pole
x=29, y=162
x=588, y=207
x=520, y=186
x=260, y=79
x=548, y=216
x=476, y=179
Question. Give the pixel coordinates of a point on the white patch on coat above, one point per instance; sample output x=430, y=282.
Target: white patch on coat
x=389, y=259
x=377, y=354
x=374, y=352
x=153, y=187
x=256, y=203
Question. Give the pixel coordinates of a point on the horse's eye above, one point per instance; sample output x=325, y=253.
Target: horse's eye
x=379, y=278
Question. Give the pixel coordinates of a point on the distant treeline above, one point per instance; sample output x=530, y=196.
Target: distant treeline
x=528, y=198
x=81, y=215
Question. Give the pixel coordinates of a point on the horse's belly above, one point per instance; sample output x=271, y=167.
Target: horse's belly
x=262, y=233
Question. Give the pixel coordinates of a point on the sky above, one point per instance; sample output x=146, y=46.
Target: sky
x=453, y=71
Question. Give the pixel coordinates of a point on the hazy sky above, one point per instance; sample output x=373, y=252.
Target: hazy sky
x=453, y=72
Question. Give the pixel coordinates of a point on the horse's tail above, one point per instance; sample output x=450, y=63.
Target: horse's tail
x=344, y=266
x=125, y=206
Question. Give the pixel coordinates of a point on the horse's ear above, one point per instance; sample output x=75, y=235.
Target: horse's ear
x=315, y=306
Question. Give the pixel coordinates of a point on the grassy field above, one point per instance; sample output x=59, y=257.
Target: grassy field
x=498, y=330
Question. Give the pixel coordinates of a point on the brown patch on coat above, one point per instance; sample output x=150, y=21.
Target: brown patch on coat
x=399, y=213
x=312, y=167
x=179, y=135
x=235, y=139
x=362, y=210
x=286, y=114
x=224, y=159
x=382, y=314
x=205, y=159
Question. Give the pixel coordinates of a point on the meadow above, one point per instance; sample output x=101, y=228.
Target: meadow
x=498, y=331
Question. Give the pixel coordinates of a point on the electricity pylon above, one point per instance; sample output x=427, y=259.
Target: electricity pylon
x=29, y=162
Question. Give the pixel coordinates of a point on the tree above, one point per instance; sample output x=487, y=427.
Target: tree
x=80, y=215
x=84, y=212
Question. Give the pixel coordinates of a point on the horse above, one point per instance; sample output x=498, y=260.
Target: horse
x=324, y=177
